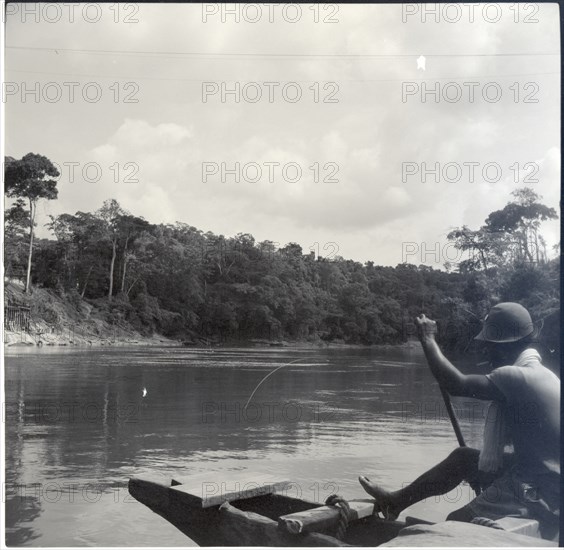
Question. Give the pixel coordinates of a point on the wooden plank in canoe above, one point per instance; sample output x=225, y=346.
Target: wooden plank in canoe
x=522, y=526
x=215, y=488
x=324, y=518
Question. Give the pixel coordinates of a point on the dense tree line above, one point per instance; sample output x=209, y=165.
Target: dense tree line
x=187, y=284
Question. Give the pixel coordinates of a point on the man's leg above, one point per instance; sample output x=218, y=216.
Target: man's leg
x=460, y=465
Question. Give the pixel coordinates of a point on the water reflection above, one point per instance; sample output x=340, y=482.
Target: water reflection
x=78, y=427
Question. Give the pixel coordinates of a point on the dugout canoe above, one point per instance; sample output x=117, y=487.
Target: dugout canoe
x=257, y=511
x=245, y=511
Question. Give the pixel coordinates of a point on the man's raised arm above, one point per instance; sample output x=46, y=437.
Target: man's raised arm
x=446, y=374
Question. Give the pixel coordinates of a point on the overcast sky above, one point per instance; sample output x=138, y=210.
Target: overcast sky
x=368, y=56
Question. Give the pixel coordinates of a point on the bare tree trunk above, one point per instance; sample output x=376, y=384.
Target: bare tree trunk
x=123, y=274
x=483, y=259
x=132, y=285
x=527, y=250
x=124, y=266
x=86, y=282
x=31, y=222
x=110, y=292
x=544, y=255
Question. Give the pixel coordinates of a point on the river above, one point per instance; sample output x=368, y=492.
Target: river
x=78, y=425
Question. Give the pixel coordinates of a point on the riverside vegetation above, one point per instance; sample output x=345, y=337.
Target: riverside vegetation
x=180, y=282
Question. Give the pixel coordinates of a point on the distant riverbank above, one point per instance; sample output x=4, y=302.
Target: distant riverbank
x=67, y=320
x=67, y=337
x=46, y=318
x=321, y=344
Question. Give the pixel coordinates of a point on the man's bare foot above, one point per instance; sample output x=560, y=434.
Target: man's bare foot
x=384, y=499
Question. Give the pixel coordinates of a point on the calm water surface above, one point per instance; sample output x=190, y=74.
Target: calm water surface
x=78, y=427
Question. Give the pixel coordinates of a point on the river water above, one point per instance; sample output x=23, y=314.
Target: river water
x=78, y=426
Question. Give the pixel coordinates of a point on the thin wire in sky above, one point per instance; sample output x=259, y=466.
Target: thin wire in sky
x=230, y=55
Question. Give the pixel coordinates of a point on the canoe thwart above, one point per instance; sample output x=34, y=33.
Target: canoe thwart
x=324, y=518
x=215, y=489
x=248, y=527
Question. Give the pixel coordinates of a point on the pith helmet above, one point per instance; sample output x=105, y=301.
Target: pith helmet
x=506, y=322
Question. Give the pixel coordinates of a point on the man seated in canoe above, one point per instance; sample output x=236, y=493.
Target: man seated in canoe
x=525, y=412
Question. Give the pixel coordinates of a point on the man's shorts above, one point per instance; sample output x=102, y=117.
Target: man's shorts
x=509, y=495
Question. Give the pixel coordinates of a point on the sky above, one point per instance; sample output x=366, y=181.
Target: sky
x=341, y=101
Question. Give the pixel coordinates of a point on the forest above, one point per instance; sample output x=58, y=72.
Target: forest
x=191, y=285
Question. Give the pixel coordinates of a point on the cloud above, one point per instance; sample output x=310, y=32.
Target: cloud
x=362, y=140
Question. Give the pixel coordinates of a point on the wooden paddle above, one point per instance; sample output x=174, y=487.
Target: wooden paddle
x=452, y=416
x=456, y=427
x=458, y=432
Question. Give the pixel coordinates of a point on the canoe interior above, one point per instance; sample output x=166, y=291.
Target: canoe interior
x=274, y=506
x=370, y=531
x=251, y=521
